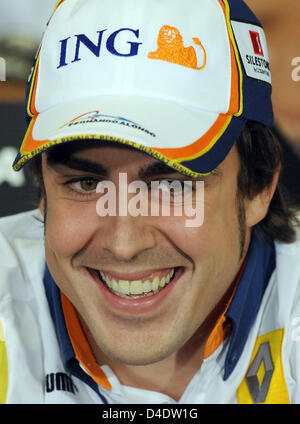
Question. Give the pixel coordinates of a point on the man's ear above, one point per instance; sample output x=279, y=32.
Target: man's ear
x=257, y=208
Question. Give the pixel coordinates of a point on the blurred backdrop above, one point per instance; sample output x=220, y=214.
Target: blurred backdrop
x=22, y=23
x=281, y=21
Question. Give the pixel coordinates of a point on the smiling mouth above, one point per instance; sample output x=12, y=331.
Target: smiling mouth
x=137, y=289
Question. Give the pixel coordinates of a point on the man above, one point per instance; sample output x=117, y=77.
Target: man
x=121, y=304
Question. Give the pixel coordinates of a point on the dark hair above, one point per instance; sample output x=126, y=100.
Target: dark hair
x=260, y=158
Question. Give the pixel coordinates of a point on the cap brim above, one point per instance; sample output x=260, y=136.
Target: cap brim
x=191, y=141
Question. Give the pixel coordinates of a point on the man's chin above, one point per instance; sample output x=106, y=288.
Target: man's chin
x=137, y=358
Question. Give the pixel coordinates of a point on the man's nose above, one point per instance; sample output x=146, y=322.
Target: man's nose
x=126, y=236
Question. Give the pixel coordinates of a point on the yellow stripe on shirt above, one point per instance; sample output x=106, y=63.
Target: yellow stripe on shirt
x=3, y=367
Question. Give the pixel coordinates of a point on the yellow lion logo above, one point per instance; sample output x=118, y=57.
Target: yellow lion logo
x=171, y=49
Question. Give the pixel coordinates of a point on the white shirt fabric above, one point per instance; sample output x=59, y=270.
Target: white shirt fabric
x=32, y=348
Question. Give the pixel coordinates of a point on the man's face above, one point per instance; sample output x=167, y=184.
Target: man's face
x=80, y=244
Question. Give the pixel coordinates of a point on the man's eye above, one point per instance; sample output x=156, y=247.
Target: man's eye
x=88, y=184
x=83, y=185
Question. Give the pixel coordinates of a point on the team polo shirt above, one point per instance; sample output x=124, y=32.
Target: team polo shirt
x=234, y=324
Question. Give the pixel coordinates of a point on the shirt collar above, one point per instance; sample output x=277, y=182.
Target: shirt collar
x=69, y=359
x=242, y=311
x=246, y=301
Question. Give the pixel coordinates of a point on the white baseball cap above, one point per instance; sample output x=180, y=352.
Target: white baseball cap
x=175, y=79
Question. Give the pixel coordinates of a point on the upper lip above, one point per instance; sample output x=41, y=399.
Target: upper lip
x=134, y=275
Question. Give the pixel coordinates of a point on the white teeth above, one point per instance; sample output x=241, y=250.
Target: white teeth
x=136, y=287
x=155, y=284
x=124, y=286
x=147, y=286
x=162, y=282
x=115, y=285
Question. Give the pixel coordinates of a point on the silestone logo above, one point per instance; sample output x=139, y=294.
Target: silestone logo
x=162, y=198
x=2, y=69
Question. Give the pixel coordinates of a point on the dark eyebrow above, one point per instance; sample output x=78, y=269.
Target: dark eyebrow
x=85, y=165
x=79, y=164
x=156, y=168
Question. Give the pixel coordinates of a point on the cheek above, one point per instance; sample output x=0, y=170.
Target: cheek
x=194, y=242
x=69, y=227
x=214, y=228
